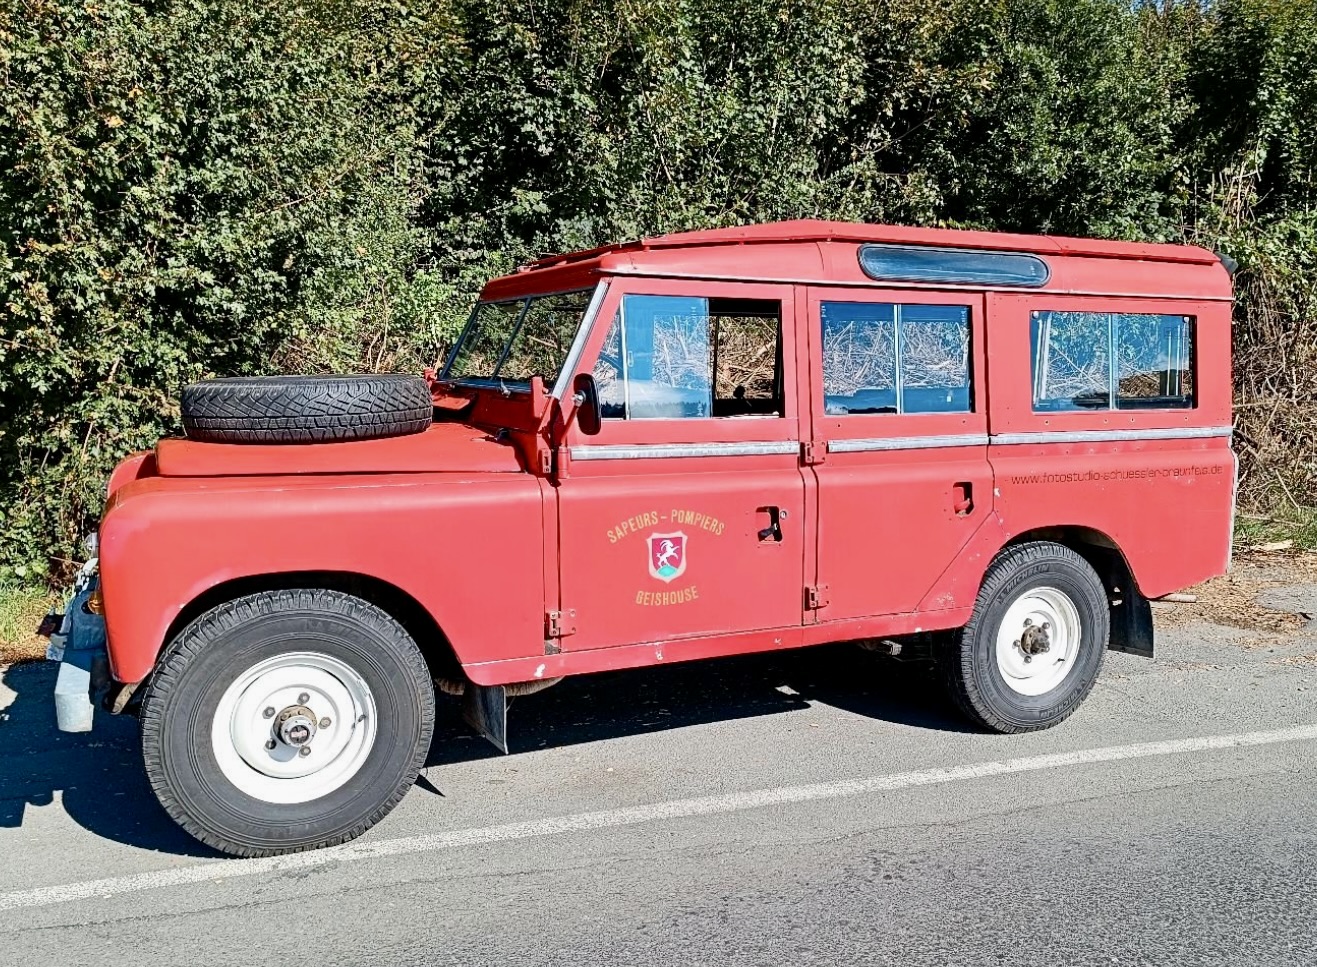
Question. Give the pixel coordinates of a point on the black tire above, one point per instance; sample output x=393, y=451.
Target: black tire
x=217, y=649
x=306, y=409
x=970, y=667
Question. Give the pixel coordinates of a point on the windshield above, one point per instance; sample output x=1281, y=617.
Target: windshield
x=515, y=340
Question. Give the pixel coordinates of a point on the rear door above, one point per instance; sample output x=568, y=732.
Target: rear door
x=899, y=440
x=684, y=516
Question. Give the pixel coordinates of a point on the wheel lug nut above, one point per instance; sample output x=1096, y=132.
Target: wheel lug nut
x=1028, y=658
x=270, y=745
x=325, y=723
x=1028, y=622
x=304, y=750
x=269, y=712
x=303, y=698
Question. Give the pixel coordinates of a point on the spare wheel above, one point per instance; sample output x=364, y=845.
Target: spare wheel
x=306, y=409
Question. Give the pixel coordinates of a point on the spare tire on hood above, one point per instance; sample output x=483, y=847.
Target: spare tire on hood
x=306, y=409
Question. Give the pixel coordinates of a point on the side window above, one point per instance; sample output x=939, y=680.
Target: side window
x=677, y=357
x=886, y=358
x=1106, y=360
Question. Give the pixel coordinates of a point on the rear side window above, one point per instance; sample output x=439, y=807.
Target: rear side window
x=1112, y=360
x=682, y=357
x=881, y=357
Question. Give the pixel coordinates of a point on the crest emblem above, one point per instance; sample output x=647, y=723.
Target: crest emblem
x=667, y=556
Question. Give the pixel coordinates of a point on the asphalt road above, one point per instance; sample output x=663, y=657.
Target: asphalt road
x=817, y=807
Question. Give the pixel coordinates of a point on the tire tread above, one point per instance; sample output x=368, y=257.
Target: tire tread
x=306, y=409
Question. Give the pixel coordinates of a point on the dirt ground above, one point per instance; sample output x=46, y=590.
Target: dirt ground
x=1232, y=600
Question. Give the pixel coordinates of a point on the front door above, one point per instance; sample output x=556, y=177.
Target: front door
x=684, y=516
x=900, y=427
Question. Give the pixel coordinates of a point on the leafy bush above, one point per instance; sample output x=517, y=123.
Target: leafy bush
x=204, y=187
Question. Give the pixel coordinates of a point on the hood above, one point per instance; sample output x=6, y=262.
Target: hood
x=444, y=447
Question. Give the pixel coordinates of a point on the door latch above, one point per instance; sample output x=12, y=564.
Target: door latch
x=962, y=499
x=773, y=532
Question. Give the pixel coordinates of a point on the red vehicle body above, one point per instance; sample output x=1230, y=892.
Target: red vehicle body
x=517, y=546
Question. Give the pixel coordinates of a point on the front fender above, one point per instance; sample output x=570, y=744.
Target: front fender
x=468, y=547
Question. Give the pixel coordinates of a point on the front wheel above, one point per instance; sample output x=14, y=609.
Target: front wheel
x=286, y=721
x=1034, y=645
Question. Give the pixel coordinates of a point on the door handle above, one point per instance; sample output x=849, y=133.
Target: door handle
x=773, y=532
x=962, y=498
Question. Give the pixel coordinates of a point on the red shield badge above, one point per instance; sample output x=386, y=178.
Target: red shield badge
x=667, y=556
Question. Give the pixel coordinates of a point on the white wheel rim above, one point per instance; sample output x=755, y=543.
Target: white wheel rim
x=1046, y=622
x=261, y=760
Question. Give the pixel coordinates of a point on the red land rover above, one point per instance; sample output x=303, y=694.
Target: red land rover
x=700, y=444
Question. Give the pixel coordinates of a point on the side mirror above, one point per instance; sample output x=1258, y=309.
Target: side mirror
x=586, y=397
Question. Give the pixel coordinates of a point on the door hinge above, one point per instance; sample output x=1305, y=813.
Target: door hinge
x=813, y=453
x=559, y=624
x=816, y=597
x=546, y=462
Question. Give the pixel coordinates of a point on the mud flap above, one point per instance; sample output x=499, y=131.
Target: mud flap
x=1131, y=623
x=485, y=709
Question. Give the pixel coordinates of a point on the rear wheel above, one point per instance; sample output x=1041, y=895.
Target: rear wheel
x=286, y=721
x=1034, y=645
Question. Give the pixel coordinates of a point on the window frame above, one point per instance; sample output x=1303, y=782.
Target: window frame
x=1010, y=388
x=898, y=342
x=1114, y=397
x=786, y=428
x=900, y=428
x=715, y=317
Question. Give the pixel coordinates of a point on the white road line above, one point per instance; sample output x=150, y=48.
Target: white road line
x=629, y=816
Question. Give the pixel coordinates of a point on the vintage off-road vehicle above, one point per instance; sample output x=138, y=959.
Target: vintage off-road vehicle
x=701, y=444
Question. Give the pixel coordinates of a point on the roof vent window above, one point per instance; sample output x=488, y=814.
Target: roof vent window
x=911, y=263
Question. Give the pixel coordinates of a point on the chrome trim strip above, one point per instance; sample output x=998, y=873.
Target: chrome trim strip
x=909, y=442
x=1112, y=436
x=1234, y=509
x=569, y=365
x=652, y=451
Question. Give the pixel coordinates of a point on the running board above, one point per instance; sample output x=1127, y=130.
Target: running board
x=485, y=709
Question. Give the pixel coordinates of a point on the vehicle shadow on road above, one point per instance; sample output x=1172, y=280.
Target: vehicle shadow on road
x=102, y=787
x=98, y=775
x=592, y=708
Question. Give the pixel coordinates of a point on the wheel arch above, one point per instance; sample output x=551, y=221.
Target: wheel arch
x=1131, y=615
x=1093, y=545
x=416, y=620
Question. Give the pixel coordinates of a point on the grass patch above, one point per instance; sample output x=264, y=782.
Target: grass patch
x=21, y=610
x=1297, y=526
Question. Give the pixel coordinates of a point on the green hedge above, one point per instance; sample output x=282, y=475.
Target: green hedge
x=206, y=187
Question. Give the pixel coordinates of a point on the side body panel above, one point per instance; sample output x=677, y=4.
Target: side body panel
x=1157, y=483
x=466, y=546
